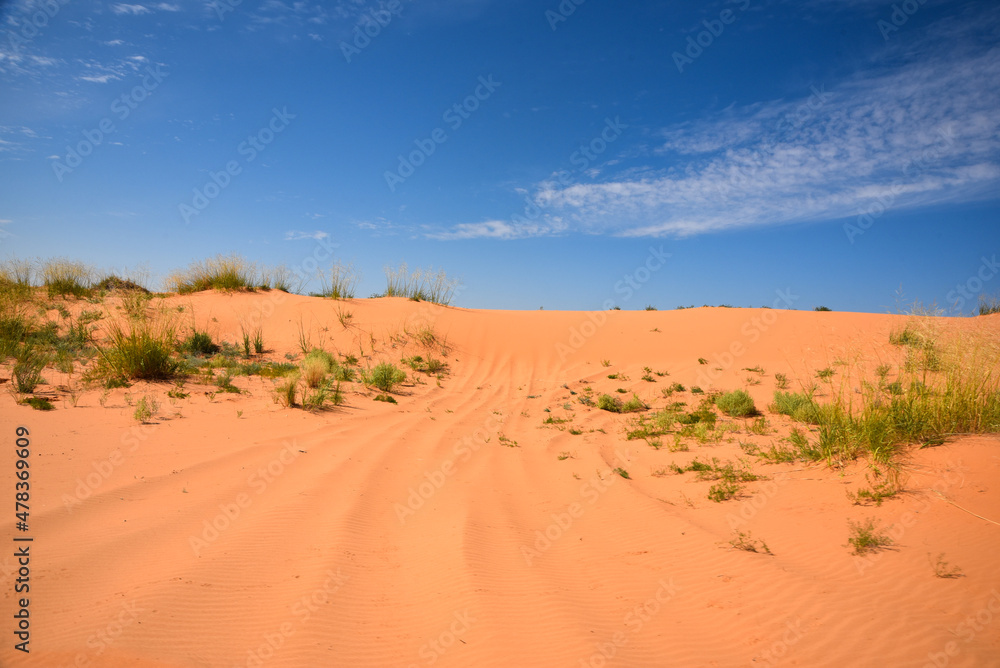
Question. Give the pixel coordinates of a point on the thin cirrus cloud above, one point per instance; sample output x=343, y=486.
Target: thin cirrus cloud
x=924, y=135
x=295, y=235
x=918, y=135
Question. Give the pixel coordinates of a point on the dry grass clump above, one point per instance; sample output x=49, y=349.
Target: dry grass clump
x=341, y=282
x=954, y=390
x=229, y=273
x=64, y=278
x=432, y=286
x=141, y=350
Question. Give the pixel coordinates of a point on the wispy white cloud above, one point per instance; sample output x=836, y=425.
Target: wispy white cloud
x=133, y=10
x=914, y=136
x=497, y=229
x=99, y=78
x=295, y=235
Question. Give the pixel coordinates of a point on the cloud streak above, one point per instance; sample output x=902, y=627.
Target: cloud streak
x=923, y=133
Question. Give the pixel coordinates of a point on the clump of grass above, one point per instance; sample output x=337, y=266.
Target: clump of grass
x=199, y=343
x=39, y=403
x=142, y=352
x=420, y=285
x=65, y=278
x=287, y=393
x=723, y=491
x=821, y=308
x=905, y=337
x=737, y=403
x=29, y=361
x=799, y=407
x=622, y=472
x=389, y=399
x=825, y=374
x=325, y=393
x=17, y=278
x=145, y=409
x=649, y=427
x=674, y=387
x=315, y=367
x=225, y=383
x=384, y=376
x=606, y=402
x=781, y=381
x=745, y=541
x=509, y=442
x=942, y=569
x=341, y=282
x=776, y=455
x=228, y=273
x=988, y=305
x=866, y=537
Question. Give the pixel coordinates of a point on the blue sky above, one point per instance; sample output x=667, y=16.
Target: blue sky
x=841, y=151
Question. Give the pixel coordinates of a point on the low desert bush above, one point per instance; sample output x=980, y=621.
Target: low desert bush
x=384, y=376
x=140, y=351
x=737, y=403
x=66, y=278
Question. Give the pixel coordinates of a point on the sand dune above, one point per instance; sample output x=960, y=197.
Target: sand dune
x=446, y=531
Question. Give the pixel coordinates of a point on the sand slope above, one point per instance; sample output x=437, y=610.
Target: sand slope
x=419, y=534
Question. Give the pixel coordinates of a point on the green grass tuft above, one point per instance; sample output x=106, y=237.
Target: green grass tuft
x=737, y=403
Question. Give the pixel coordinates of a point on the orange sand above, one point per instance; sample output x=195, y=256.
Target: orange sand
x=409, y=535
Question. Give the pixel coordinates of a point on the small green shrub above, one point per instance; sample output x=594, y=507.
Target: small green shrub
x=737, y=403
x=384, y=376
x=29, y=361
x=866, y=537
x=39, y=403
x=65, y=278
x=606, y=402
x=142, y=352
x=799, y=407
x=199, y=343
x=145, y=409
